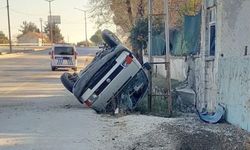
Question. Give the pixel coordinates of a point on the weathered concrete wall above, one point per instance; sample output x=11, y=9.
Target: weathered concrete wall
x=178, y=67
x=232, y=67
x=235, y=29
x=234, y=89
x=210, y=85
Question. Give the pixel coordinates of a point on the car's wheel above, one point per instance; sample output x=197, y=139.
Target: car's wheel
x=53, y=68
x=68, y=80
x=110, y=38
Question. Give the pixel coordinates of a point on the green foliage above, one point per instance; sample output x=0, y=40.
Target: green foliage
x=28, y=27
x=97, y=37
x=83, y=43
x=190, y=8
x=56, y=31
x=101, y=11
x=139, y=32
x=3, y=38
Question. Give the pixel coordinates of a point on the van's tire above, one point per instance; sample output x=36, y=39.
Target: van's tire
x=68, y=80
x=110, y=38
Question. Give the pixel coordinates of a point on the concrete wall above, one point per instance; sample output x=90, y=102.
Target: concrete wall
x=232, y=67
x=235, y=29
x=234, y=90
x=178, y=67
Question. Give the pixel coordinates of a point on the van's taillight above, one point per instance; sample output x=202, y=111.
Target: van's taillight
x=88, y=103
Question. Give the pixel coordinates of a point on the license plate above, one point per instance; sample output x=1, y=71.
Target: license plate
x=64, y=61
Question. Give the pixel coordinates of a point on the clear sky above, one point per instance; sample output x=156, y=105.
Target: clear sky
x=72, y=20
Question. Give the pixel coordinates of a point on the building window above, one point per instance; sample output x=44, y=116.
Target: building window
x=212, y=30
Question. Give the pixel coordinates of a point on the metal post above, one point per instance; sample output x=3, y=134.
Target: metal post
x=85, y=18
x=167, y=65
x=8, y=12
x=85, y=22
x=41, y=23
x=50, y=21
x=149, y=53
x=51, y=31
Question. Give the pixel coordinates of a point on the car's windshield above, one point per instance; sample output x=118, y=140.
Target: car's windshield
x=64, y=51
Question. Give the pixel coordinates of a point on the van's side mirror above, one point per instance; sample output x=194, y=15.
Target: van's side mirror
x=49, y=52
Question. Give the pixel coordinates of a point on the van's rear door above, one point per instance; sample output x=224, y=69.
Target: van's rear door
x=64, y=56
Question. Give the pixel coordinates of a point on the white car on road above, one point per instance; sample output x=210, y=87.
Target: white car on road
x=63, y=56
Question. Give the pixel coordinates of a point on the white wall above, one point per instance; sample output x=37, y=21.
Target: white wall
x=233, y=71
x=234, y=90
x=235, y=29
x=177, y=64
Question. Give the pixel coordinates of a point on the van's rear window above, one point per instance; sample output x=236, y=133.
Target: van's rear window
x=64, y=51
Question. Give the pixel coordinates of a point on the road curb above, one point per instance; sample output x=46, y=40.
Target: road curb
x=3, y=53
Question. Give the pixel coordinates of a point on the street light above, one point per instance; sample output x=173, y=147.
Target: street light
x=85, y=20
x=50, y=21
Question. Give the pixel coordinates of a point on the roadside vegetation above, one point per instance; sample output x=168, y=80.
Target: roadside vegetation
x=130, y=17
x=3, y=38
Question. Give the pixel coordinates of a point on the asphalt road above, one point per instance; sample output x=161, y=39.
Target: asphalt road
x=38, y=113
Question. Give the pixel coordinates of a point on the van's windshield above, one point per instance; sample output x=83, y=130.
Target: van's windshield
x=64, y=51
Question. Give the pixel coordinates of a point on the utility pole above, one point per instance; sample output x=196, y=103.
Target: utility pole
x=167, y=65
x=41, y=22
x=50, y=21
x=85, y=21
x=8, y=12
x=150, y=13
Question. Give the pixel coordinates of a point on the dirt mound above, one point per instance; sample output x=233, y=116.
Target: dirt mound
x=191, y=134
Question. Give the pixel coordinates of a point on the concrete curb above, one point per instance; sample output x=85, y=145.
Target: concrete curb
x=23, y=51
x=3, y=53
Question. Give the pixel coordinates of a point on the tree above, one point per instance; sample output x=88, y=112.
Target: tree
x=56, y=32
x=3, y=38
x=139, y=34
x=101, y=11
x=28, y=27
x=97, y=37
x=191, y=7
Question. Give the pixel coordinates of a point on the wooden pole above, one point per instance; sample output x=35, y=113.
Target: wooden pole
x=8, y=13
x=149, y=53
x=167, y=65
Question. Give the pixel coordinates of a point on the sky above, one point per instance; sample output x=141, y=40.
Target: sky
x=72, y=20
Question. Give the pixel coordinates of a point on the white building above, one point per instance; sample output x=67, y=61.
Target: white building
x=220, y=73
x=225, y=72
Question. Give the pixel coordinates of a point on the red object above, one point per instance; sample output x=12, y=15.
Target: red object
x=128, y=59
x=88, y=103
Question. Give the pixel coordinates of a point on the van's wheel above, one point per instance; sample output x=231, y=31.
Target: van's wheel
x=68, y=80
x=110, y=38
x=53, y=68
